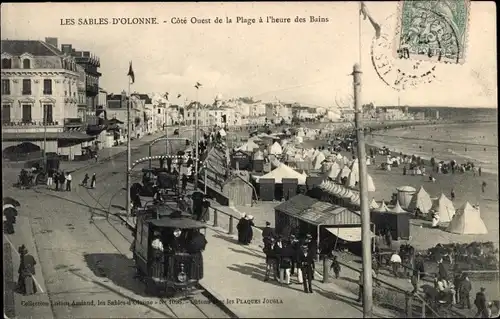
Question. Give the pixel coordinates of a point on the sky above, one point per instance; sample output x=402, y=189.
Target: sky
x=307, y=62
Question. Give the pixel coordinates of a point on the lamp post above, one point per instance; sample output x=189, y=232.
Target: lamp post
x=44, y=107
x=365, y=212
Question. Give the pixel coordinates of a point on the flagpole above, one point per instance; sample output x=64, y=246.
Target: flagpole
x=129, y=151
x=196, y=143
x=359, y=31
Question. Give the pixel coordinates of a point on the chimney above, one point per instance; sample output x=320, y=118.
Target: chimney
x=52, y=42
x=66, y=48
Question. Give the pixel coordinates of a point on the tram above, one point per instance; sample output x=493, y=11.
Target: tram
x=168, y=249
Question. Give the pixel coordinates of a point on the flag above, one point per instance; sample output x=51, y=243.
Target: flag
x=131, y=73
x=363, y=11
x=166, y=96
x=198, y=85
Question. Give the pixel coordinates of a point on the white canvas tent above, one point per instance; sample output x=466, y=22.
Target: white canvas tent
x=444, y=207
x=249, y=146
x=467, y=221
x=422, y=201
x=370, y=183
x=397, y=209
x=343, y=173
x=320, y=157
x=222, y=132
x=284, y=171
x=382, y=208
x=334, y=171
x=373, y=204
x=275, y=149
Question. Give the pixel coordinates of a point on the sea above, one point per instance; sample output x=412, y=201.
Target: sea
x=464, y=142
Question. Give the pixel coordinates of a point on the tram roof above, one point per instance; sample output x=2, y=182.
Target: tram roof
x=181, y=223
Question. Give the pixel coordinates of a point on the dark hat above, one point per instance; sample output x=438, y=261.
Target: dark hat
x=268, y=224
x=22, y=249
x=483, y=289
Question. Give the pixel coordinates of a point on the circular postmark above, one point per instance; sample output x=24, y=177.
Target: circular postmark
x=399, y=74
x=429, y=31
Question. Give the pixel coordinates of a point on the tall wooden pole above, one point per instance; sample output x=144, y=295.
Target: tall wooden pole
x=196, y=143
x=365, y=212
x=129, y=151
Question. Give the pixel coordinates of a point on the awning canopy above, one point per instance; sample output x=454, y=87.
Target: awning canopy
x=39, y=136
x=352, y=234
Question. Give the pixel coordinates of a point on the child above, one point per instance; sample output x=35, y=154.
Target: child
x=336, y=267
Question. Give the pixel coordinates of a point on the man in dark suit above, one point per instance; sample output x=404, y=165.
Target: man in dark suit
x=464, y=291
x=312, y=249
x=267, y=232
x=306, y=261
x=481, y=304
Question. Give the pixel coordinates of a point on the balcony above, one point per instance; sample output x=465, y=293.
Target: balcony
x=92, y=89
x=30, y=123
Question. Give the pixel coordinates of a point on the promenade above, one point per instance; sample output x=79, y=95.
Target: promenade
x=235, y=274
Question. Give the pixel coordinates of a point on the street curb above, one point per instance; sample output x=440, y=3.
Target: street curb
x=216, y=298
x=219, y=301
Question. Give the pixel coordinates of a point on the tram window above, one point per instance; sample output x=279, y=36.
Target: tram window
x=144, y=237
x=139, y=232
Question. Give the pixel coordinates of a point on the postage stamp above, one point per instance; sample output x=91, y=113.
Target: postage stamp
x=399, y=74
x=434, y=30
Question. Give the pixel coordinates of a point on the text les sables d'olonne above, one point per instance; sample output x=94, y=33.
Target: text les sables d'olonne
x=91, y=21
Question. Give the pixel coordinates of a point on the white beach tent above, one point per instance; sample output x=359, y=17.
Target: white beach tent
x=222, y=132
x=420, y=200
x=339, y=157
x=346, y=161
x=353, y=177
x=370, y=183
x=318, y=160
x=334, y=171
x=284, y=171
x=343, y=173
x=275, y=149
x=382, y=208
x=444, y=207
x=300, y=132
x=397, y=209
x=467, y=221
x=373, y=204
x=249, y=146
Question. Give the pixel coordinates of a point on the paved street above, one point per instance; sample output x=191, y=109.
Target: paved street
x=80, y=259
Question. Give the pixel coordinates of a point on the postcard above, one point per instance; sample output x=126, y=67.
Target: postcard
x=250, y=159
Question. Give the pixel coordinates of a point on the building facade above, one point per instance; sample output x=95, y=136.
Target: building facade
x=40, y=86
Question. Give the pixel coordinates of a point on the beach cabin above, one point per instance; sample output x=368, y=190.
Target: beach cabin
x=282, y=175
x=226, y=188
x=332, y=226
x=241, y=160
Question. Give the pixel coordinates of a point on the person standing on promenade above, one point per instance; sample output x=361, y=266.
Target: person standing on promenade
x=481, y=304
x=92, y=181
x=56, y=179
x=479, y=170
x=306, y=262
x=50, y=177
x=241, y=227
x=26, y=284
x=483, y=187
x=62, y=180
x=85, y=180
x=336, y=267
x=396, y=263
x=452, y=194
x=464, y=292
x=69, y=178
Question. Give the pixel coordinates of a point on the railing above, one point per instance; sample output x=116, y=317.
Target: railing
x=29, y=123
x=389, y=294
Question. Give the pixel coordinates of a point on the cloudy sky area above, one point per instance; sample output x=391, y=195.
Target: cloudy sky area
x=307, y=62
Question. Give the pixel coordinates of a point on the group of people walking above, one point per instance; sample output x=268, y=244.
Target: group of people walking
x=85, y=181
x=62, y=180
x=286, y=257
